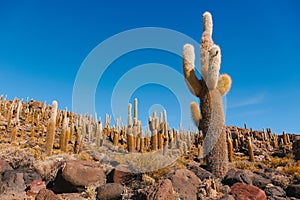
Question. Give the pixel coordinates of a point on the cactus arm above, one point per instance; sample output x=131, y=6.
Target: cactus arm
x=196, y=114
x=214, y=67
x=191, y=79
x=206, y=43
x=224, y=84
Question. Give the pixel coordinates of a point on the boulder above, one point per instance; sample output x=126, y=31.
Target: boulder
x=242, y=191
x=83, y=173
x=75, y=175
x=237, y=176
x=274, y=192
x=120, y=174
x=199, y=171
x=186, y=184
x=110, y=191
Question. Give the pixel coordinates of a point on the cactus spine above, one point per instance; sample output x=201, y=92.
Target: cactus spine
x=51, y=129
x=210, y=117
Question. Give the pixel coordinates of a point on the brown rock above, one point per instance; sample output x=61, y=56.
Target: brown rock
x=45, y=194
x=186, y=184
x=110, y=191
x=4, y=166
x=120, y=174
x=243, y=191
x=83, y=173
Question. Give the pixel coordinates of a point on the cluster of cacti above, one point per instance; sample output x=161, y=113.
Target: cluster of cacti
x=210, y=117
x=65, y=131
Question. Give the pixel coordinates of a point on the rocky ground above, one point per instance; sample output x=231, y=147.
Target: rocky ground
x=91, y=173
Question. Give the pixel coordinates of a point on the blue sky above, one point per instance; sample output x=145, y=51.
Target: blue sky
x=44, y=43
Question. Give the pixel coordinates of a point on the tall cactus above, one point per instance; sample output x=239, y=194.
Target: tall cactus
x=210, y=88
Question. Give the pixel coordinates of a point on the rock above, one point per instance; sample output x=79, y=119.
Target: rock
x=45, y=194
x=83, y=173
x=160, y=191
x=293, y=190
x=199, y=171
x=12, y=181
x=29, y=175
x=120, y=174
x=274, y=191
x=110, y=191
x=296, y=149
x=237, y=176
x=186, y=184
x=279, y=179
x=35, y=186
x=242, y=191
x=4, y=166
x=260, y=181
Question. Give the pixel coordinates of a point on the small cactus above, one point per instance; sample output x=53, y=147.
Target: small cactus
x=250, y=150
x=51, y=129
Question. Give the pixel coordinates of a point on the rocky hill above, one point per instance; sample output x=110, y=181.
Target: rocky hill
x=69, y=156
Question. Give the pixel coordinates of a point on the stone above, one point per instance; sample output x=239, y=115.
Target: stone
x=4, y=166
x=12, y=181
x=186, y=184
x=35, y=186
x=274, y=191
x=260, y=181
x=293, y=190
x=242, y=191
x=45, y=194
x=237, y=176
x=199, y=171
x=83, y=173
x=120, y=174
x=110, y=191
x=161, y=190
x=296, y=149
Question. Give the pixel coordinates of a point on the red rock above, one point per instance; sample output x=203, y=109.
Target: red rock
x=4, y=166
x=83, y=173
x=186, y=184
x=242, y=191
x=35, y=186
x=45, y=194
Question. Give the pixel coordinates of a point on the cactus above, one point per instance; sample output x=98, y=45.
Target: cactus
x=210, y=117
x=250, y=150
x=285, y=138
x=230, y=149
x=51, y=129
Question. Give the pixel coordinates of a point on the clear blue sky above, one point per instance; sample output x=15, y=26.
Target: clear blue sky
x=44, y=43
